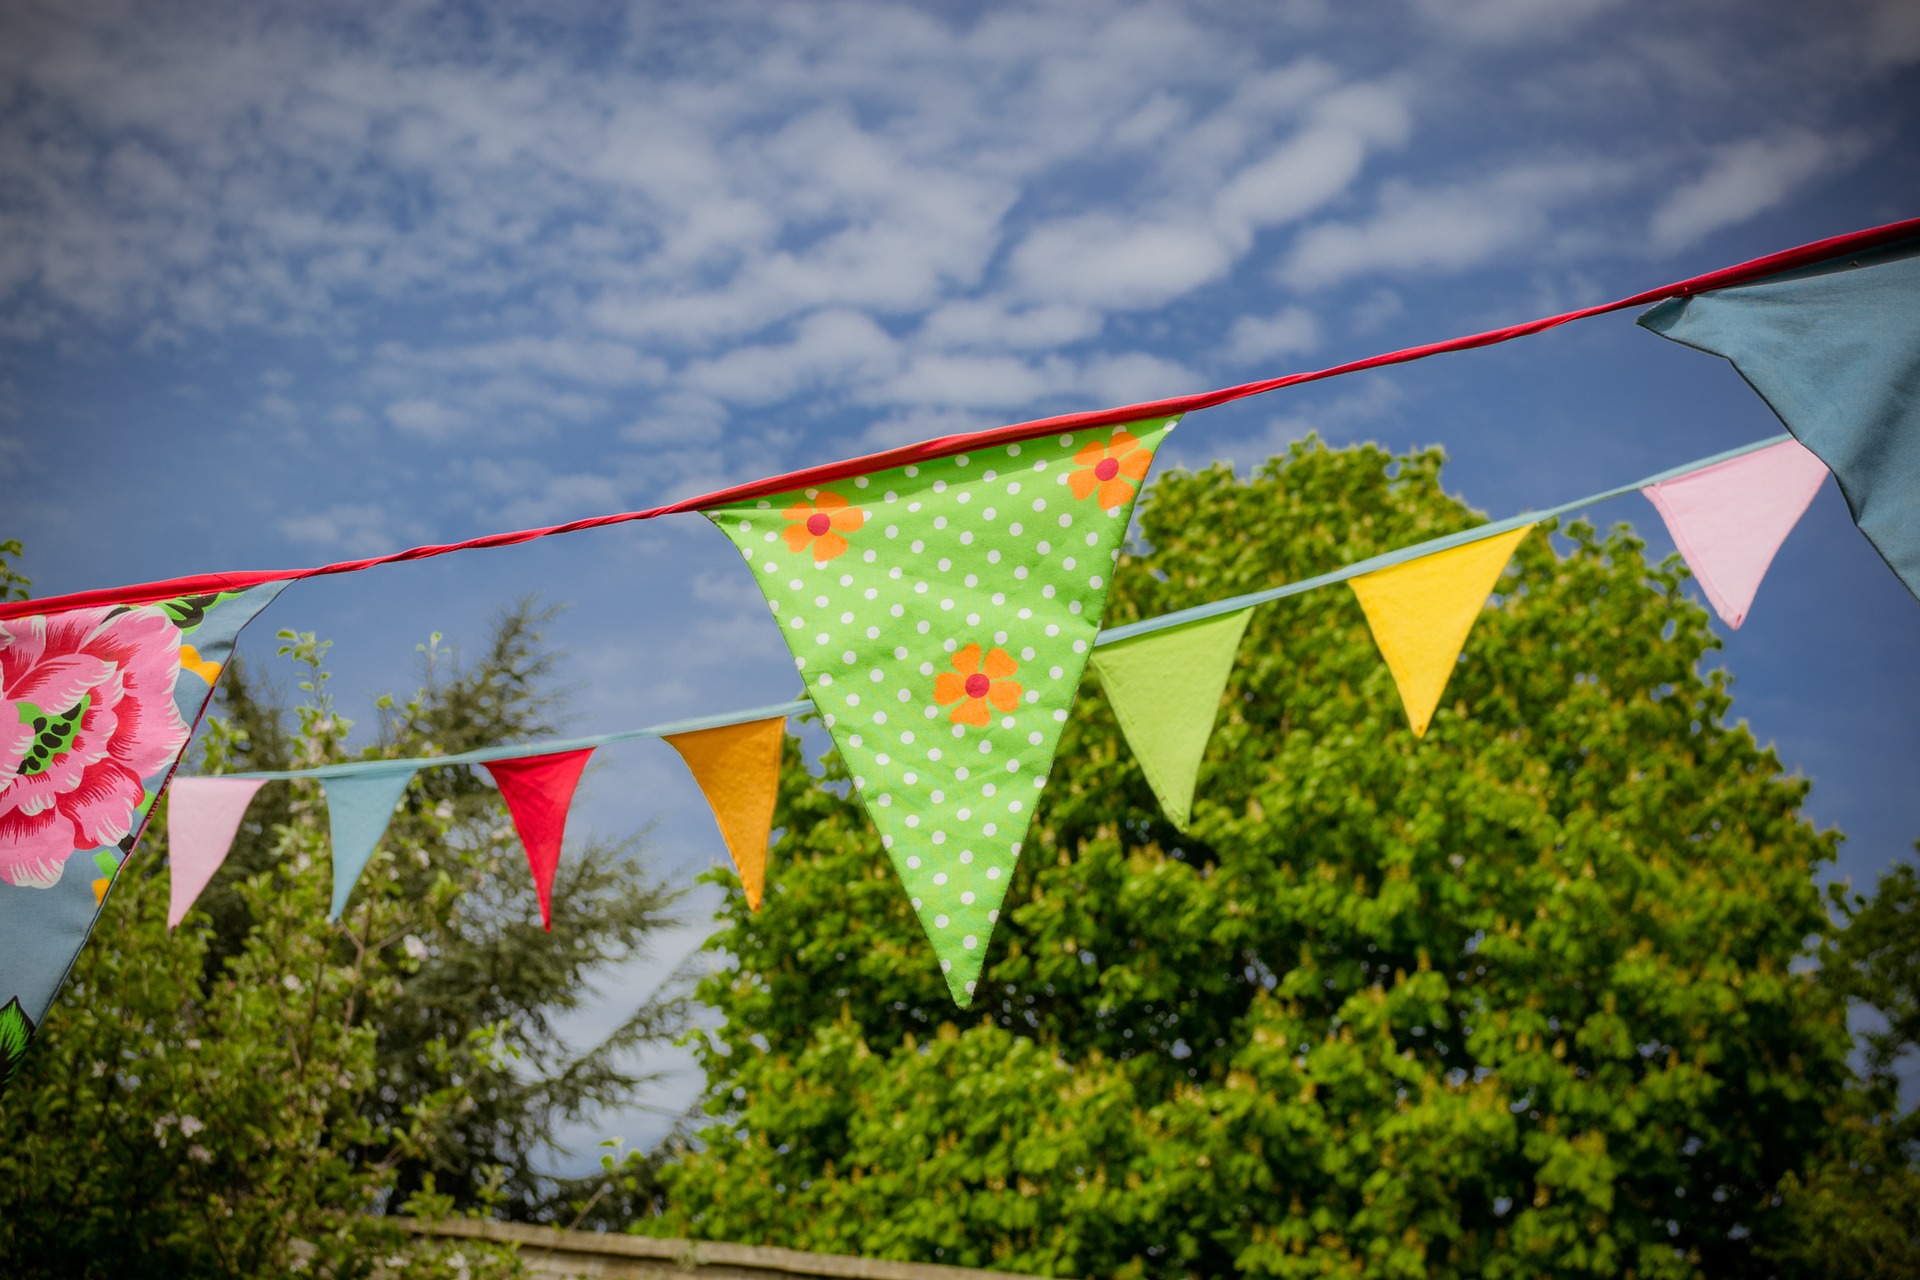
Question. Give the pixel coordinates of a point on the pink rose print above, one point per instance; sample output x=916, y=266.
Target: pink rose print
x=86, y=714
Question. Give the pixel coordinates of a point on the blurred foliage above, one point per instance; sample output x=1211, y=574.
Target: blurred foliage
x=1856, y=1210
x=249, y=1094
x=12, y=585
x=472, y=953
x=1522, y=998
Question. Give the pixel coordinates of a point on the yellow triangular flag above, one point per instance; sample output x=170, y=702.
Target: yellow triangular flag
x=1421, y=612
x=738, y=769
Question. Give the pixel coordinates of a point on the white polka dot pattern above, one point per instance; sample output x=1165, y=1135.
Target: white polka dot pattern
x=944, y=593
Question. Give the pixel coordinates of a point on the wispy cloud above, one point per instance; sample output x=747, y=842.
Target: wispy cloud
x=353, y=529
x=1452, y=227
x=1743, y=180
x=1510, y=21
x=1257, y=338
x=695, y=242
x=427, y=418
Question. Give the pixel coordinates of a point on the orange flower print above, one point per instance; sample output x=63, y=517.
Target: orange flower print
x=974, y=684
x=819, y=524
x=1115, y=468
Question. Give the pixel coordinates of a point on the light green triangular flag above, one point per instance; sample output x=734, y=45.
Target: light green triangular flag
x=1165, y=689
x=941, y=615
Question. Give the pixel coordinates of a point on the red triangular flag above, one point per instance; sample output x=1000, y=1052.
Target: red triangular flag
x=538, y=790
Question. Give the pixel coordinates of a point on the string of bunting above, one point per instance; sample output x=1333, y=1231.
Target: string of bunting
x=1164, y=678
x=941, y=602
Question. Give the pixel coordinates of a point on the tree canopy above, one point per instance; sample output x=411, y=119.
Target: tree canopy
x=475, y=955
x=1854, y=1211
x=1520, y=998
x=249, y=1094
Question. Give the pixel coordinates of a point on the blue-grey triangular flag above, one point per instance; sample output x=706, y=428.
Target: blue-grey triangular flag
x=359, y=807
x=1835, y=350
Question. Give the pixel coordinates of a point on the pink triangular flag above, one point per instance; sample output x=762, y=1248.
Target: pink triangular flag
x=1730, y=518
x=203, y=816
x=538, y=790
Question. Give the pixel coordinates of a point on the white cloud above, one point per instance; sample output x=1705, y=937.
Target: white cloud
x=864, y=206
x=973, y=323
x=1287, y=332
x=596, y=362
x=1123, y=263
x=914, y=425
x=1448, y=228
x=826, y=344
x=1509, y=21
x=1892, y=33
x=1378, y=309
x=682, y=418
x=950, y=381
x=344, y=529
x=1743, y=180
x=1318, y=163
x=426, y=418
x=560, y=498
x=1134, y=377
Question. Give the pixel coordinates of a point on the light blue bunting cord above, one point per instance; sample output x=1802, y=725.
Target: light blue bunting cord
x=1115, y=635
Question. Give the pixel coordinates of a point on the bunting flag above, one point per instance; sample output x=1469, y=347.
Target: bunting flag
x=738, y=769
x=925, y=581
x=96, y=706
x=538, y=791
x=203, y=815
x=1835, y=350
x=1165, y=690
x=941, y=614
x=360, y=807
x=1730, y=518
x=1422, y=610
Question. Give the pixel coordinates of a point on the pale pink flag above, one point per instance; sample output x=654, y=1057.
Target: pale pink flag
x=1730, y=518
x=203, y=816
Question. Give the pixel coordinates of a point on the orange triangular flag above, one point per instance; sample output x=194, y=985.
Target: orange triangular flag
x=1422, y=610
x=738, y=769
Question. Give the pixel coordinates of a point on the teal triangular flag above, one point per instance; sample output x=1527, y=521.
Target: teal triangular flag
x=1835, y=350
x=1165, y=689
x=359, y=807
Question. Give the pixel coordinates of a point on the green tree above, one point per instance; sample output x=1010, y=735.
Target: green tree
x=1517, y=999
x=168, y=1123
x=1856, y=1210
x=12, y=585
x=475, y=956
x=248, y=1094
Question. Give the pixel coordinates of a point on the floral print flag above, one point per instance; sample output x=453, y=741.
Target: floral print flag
x=941, y=615
x=96, y=706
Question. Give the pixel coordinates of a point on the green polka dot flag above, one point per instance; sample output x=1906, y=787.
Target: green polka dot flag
x=941, y=615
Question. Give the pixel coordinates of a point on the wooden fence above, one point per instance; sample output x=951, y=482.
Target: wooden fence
x=585, y=1255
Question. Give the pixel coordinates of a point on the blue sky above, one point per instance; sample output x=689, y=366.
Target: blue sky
x=285, y=284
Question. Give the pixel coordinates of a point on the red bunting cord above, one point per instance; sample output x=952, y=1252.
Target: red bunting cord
x=1107, y=636
x=945, y=446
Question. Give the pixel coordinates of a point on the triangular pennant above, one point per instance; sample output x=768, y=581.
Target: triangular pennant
x=538, y=791
x=1730, y=518
x=203, y=815
x=738, y=769
x=96, y=706
x=941, y=615
x=359, y=807
x=1835, y=350
x=1165, y=689
x=1421, y=612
